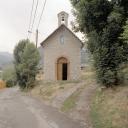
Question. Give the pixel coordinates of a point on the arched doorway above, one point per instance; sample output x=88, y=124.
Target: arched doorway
x=62, y=68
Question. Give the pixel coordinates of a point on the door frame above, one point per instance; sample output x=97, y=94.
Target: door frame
x=56, y=67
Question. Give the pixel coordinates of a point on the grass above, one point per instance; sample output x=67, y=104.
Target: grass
x=70, y=102
x=88, y=75
x=125, y=71
x=110, y=108
x=47, y=90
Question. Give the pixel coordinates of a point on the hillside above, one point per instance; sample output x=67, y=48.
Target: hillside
x=5, y=59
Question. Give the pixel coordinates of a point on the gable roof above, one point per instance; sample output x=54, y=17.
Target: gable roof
x=63, y=12
x=58, y=30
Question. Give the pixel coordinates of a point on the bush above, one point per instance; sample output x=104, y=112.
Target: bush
x=10, y=83
x=9, y=76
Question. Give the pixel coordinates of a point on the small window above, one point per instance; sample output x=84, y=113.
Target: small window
x=61, y=39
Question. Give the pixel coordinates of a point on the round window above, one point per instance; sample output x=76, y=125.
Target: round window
x=61, y=39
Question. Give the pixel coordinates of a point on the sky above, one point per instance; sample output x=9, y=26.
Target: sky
x=14, y=20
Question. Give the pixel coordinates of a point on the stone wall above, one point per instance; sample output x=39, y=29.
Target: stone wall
x=70, y=49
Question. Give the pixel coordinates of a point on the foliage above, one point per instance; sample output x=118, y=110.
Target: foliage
x=109, y=108
x=124, y=37
x=26, y=63
x=125, y=33
x=91, y=14
x=103, y=22
x=9, y=76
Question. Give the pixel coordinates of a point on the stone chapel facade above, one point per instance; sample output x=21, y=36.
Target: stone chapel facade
x=62, y=53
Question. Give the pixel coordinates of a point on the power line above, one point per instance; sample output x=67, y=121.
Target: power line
x=34, y=18
x=39, y=22
x=41, y=13
x=34, y=15
x=31, y=15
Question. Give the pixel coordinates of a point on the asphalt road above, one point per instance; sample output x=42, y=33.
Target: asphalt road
x=18, y=110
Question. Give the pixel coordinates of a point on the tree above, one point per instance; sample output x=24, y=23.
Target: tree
x=124, y=37
x=103, y=21
x=125, y=33
x=18, y=51
x=26, y=63
x=91, y=15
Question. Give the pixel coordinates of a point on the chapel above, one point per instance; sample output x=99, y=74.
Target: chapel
x=62, y=52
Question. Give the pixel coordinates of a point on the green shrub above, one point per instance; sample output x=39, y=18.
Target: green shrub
x=9, y=76
x=10, y=83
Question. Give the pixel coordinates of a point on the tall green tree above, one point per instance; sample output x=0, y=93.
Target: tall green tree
x=103, y=21
x=18, y=51
x=26, y=63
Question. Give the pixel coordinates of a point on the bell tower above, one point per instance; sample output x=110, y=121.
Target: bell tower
x=63, y=18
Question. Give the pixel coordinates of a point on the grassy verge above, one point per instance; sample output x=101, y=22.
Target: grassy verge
x=47, y=90
x=70, y=102
x=88, y=75
x=110, y=108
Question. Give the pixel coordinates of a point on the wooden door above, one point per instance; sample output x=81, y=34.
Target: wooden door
x=60, y=63
x=59, y=71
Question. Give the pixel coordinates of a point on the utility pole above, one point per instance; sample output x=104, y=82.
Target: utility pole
x=37, y=33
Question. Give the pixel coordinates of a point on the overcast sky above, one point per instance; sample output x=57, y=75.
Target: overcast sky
x=14, y=20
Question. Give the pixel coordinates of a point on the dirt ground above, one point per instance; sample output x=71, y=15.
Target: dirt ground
x=60, y=96
x=18, y=110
